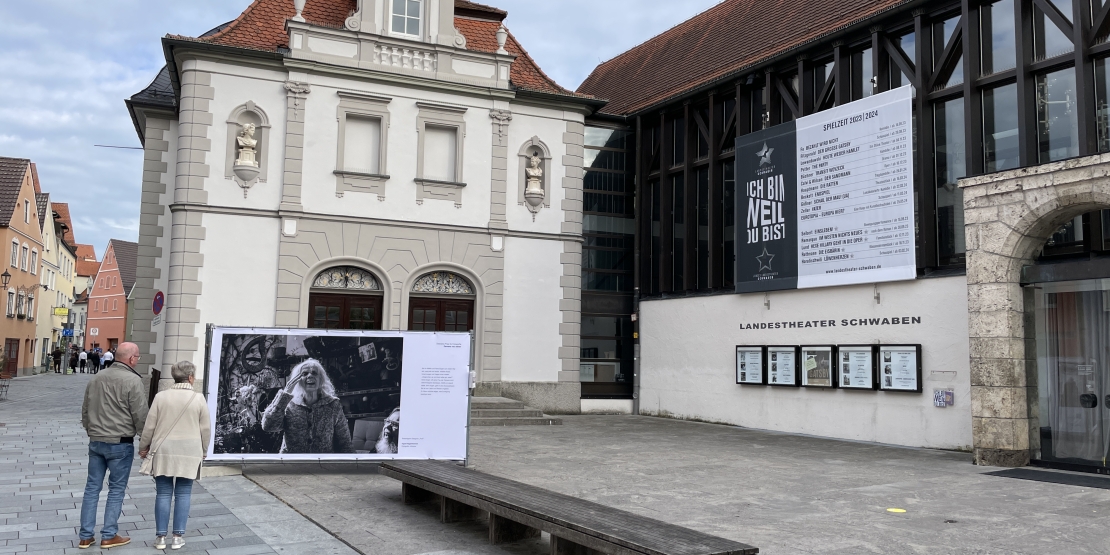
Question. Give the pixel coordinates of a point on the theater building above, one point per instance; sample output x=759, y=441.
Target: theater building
x=365, y=165
x=1009, y=298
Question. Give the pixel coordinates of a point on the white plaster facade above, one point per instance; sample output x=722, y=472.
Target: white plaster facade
x=688, y=361
x=231, y=252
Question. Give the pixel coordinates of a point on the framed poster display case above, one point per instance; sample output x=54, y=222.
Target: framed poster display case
x=749, y=365
x=782, y=365
x=899, y=368
x=817, y=365
x=856, y=366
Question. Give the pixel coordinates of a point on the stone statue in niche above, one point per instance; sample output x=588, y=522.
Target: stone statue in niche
x=247, y=144
x=533, y=190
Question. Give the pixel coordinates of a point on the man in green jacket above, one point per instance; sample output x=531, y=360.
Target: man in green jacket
x=113, y=413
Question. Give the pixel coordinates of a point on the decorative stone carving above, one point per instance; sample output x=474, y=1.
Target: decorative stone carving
x=502, y=37
x=299, y=6
x=460, y=39
x=534, y=191
x=501, y=119
x=298, y=87
x=346, y=277
x=405, y=58
x=534, y=175
x=444, y=283
x=246, y=142
x=248, y=130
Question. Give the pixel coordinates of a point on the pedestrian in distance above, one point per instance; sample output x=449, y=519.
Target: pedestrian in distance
x=94, y=360
x=73, y=361
x=174, y=444
x=107, y=359
x=82, y=360
x=113, y=413
x=57, y=354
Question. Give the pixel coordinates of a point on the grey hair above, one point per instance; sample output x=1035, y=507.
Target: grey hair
x=182, y=370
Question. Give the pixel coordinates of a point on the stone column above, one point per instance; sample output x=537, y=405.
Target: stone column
x=152, y=208
x=498, y=221
x=571, y=280
x=296, y=94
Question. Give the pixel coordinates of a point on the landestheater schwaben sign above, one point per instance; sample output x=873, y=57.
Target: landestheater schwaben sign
x=828, y=199
x=289, y=394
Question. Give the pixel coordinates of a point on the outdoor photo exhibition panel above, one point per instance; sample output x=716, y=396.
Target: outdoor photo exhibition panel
x=311, y=395
x=782, y=365
x=857, y=366
x=828, y=198
x=749, y=365
x=900, y=367
x=818, y=369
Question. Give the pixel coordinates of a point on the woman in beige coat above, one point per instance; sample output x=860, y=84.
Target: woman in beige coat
x=179, y=430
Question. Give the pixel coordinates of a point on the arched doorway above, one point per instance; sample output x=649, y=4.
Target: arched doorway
x=1012, y=218
x=345, y=297
x=441, y=301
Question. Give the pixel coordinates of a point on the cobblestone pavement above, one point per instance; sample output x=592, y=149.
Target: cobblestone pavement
x=43, y=458
x=786, y=494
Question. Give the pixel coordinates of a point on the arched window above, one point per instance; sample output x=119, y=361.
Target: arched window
x=441, y=301
x=345, y=297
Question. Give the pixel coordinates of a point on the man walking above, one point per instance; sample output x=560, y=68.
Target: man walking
x=94, y=360
x=57, y=355
x=108, y=357
x=113, y=413
x=83, y=360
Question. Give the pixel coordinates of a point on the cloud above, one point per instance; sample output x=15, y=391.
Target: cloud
x=67, y=67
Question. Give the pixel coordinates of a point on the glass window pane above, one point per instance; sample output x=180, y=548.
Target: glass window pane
x=862, y=74
x=678, y=213
x=950, y=166
x=398, y=7
x=605, y=326
x=463, y=320
x=1102, y=104
x=449, y=317
x=942, y=34
x=399, y=24
x=703, y=228
x=412, y=27
x=1056, y=116
x=678, y=138
x=601, y=348
x=414, y=8
x=1048, y=40
x=656, y=242
x=1000, y=128
x=999, y=53
x=759, y=110
x=907, y=43
x=728, y=252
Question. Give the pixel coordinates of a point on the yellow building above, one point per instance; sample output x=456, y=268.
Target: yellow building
x=58, y=274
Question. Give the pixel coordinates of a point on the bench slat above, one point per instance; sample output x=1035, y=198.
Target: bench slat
x=606, y=523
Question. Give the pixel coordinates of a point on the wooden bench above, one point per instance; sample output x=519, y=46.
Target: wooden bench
x=519, y=511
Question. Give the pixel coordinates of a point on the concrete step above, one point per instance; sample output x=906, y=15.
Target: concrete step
x=495, y=403
x=543, y=421
x=505, y=413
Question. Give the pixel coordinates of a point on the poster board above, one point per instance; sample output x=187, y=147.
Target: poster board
x=260, y=382
x=817, y=365
x=782, y=365
x=856, y=366
x=900, y=368
x=749, y=365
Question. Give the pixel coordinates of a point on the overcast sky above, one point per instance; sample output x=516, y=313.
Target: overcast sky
x=67, y=66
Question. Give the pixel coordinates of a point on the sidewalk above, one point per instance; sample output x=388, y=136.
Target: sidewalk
x=43, y=457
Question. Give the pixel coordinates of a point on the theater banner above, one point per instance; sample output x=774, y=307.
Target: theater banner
x=828, y=199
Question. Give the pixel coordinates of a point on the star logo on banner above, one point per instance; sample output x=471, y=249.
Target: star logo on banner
x=765, y=260
x=765, y=155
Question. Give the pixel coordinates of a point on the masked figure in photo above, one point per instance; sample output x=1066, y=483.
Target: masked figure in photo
x=308, y=413
x=387, y=442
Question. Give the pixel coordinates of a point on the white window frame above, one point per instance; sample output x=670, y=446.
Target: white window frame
x=419, y=19
x=21, y=304
x=34, y=262
x=11, y=303
x=24, y=253
x=440, y=115
x=365, y=106
x=26, y=211
x=15, y=253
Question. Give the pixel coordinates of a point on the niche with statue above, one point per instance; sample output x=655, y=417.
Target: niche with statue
x=248, y=142
x=534, y=176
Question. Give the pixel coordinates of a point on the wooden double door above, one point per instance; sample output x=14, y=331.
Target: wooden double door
x=11, y=363
x=344, y=312
x=427, y=314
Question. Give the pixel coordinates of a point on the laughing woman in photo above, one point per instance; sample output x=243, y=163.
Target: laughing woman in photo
x=308, y=413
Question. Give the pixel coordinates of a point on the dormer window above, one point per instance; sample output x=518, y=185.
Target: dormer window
x=406, y=17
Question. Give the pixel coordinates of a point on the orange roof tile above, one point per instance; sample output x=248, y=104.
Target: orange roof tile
x=262, y=27
x=62, y=209
x=719, y=43
x=86, y=261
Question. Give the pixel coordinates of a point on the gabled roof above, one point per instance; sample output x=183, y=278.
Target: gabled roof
x=158, y=93
x=86, y=261
x=61, y=209
x=12, y=172
x=262, y=27
x=127, y=259
x=42, y=200
x=720, y=43
x=35, y=178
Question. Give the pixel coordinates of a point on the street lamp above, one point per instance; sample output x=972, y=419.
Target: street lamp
x=5, y=278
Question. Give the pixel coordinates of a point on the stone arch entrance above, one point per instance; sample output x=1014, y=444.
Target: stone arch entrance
x=1009, y=216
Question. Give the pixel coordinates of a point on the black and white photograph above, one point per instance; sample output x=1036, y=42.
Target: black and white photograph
x=308, y=394
x=749, y=365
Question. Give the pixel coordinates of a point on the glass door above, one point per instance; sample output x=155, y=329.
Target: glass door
x=1073, y=365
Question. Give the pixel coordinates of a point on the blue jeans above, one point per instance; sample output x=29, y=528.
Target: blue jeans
x=182, y=492
x=115, y=460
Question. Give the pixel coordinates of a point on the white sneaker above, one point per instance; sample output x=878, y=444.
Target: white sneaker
x=177, y=543
x=160, y=542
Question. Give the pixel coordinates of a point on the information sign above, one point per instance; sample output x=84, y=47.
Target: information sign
x=817, y=366
x=749, y=365
x=857, y=366
x=900, y=367
x=782, y=366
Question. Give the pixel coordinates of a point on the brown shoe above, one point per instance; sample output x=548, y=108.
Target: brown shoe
x=85, y=544
x=117, y=541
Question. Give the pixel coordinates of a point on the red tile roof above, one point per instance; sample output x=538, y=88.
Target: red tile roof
x=262, y=27
x=86, y=261
x=12, y=172
x=720, y=43
x=62, y=209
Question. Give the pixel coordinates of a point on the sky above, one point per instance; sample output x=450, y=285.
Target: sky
x=67, y=66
